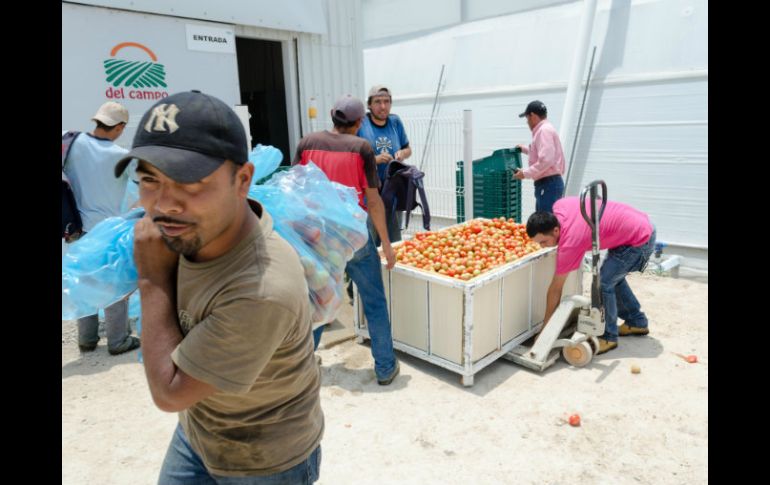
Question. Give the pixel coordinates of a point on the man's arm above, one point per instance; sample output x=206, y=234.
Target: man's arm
x=403, y=141
x=519, y=173
x=554, y=295
x=383, y=157
x=171, y=388
x=404, y=153
x=374, y=202
x=377, y=212
x=545, y=156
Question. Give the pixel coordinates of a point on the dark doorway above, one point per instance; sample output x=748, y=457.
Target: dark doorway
x=260, y=73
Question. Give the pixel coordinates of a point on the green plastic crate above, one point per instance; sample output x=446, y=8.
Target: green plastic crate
x=496, y=193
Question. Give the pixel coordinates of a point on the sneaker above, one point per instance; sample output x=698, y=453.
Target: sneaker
x=130, y=343
x=389, y=379
x=87, y=348
x=605, y=346
x=625, y=330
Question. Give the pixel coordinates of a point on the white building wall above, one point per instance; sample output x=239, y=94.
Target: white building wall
x=323, y=61
x=331, y=65
x=320, y=66
x=645, y=123
x=91, y=34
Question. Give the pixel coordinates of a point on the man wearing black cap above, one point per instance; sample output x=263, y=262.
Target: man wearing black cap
x=546, y=158
x=225, y=309
x=349, y=160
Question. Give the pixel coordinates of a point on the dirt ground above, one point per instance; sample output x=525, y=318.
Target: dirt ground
x=426, y=428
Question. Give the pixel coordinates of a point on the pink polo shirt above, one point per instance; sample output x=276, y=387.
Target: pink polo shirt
x=545, y=153
x=620, y=225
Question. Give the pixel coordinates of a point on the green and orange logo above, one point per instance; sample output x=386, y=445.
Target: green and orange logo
x=134, y=74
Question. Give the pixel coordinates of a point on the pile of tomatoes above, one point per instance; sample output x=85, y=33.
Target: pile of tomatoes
x=468, y=250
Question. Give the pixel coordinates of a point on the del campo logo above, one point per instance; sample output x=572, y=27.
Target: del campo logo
x=125, y=74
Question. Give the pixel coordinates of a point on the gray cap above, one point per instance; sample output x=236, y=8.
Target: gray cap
x=348, y=109
x=379, y=90
x=187, y=136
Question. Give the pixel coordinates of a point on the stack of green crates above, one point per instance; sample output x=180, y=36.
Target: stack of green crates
x=496, y=193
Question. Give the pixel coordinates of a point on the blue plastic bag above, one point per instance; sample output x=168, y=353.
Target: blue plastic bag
x=131, y=194
x=320, y=219
x=265, y=159
x=98, y=269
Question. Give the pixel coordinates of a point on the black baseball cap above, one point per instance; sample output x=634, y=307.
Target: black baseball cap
x=187, y=136
x=536, y=107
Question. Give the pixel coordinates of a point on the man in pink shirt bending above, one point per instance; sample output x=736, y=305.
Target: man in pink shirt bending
x=630, y=237
x=546, y=158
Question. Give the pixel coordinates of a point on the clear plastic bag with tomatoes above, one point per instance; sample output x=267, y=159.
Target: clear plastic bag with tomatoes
x=323, y=222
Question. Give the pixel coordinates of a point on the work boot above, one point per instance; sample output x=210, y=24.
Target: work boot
x=605, y=346
x=625, y=330
x=389, y=379
x=130, y=343
x=87, y=348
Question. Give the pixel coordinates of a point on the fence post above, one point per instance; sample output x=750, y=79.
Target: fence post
x=468, y=162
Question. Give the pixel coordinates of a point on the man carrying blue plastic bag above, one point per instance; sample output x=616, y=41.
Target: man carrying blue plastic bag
x=88, y=166
x=225, y=311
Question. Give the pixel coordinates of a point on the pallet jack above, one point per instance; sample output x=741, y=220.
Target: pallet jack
x=577, y=321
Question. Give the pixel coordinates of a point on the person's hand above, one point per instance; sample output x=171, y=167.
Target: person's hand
x=154, y=260
x=71, y=238
x=400, y=155
x=383, y=157
x=390, y=255
x=519, y=174
x=521, y=147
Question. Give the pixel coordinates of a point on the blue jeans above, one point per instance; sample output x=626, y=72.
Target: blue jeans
x=547, y=192
x=393, y=221
x=365, y=271
x=619, y=300
x=317, y=336
x=182, y=466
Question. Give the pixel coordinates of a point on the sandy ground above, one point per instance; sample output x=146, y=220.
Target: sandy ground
x=649, y=428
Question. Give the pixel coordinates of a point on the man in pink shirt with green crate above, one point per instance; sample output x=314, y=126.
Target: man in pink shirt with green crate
x=629, y=236
x=546, y=158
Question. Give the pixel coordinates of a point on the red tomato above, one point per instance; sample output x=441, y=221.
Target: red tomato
x=479, y=245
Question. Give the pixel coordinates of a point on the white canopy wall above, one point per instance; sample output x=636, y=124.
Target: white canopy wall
x=645, y=124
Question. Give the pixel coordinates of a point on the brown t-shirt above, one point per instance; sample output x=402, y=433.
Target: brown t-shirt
x=245, y=320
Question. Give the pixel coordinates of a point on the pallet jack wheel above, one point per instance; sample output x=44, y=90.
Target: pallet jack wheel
x=594, y=344
x=578, y=355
